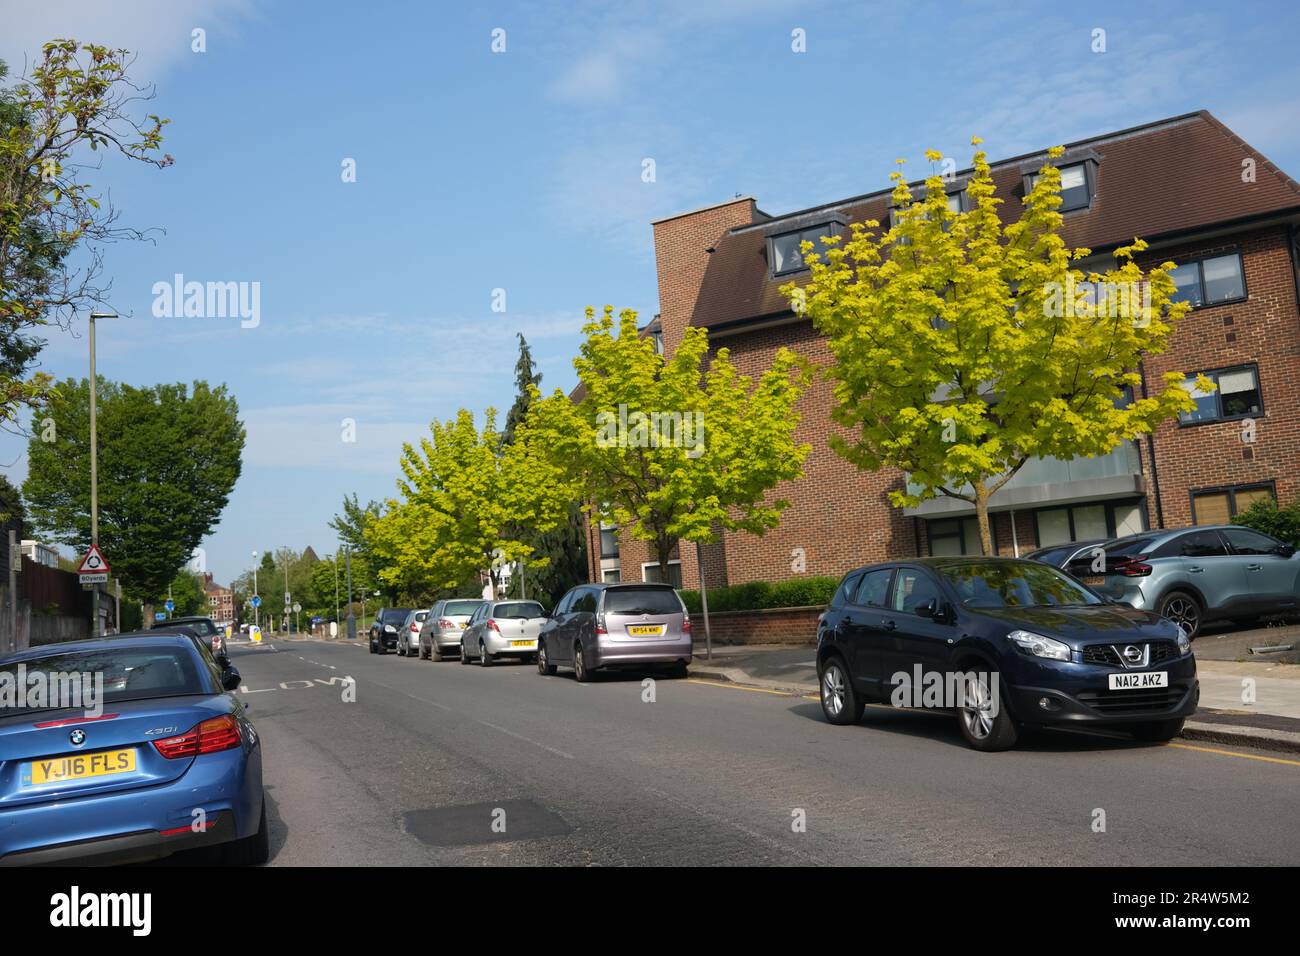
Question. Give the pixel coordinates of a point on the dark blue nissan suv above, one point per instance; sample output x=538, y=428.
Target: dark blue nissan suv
x=1006, y=644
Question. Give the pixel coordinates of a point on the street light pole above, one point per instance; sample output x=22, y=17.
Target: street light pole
x=257, y=619
x=336, y=586
x=352, y=618
x=94, y=465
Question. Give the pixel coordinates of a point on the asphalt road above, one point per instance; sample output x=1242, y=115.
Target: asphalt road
x=431, y=761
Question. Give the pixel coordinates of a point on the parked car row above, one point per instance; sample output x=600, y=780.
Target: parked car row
x=1192, y=576
x=593, y=627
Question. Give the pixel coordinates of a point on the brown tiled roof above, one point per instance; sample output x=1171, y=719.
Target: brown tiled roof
x=1165, y=178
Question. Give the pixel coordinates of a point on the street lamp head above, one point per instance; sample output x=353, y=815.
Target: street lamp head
x=97, y=314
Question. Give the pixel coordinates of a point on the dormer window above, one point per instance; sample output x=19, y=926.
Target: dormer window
x=956, y=203
x=1076, y=186
x=785, y=254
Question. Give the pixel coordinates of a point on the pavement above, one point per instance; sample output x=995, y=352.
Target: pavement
x=1246, y=700
x=382, y=760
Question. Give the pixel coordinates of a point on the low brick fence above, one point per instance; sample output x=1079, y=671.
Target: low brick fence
x=776, y=625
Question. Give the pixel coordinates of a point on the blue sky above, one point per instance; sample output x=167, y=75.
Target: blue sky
x=522, y=171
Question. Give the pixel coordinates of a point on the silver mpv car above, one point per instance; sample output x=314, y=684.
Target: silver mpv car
x=599, y=626
x=1193, y=576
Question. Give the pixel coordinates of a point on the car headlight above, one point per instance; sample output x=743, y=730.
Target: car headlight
x=389, y=627
x=1040, y=646
x=1184, y=642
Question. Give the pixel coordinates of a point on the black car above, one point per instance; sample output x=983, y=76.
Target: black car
x=1006, y=643
x=207, y=627
x=383, y=631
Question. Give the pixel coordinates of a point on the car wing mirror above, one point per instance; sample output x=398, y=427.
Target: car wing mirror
x=929, y=609
x=230, y=680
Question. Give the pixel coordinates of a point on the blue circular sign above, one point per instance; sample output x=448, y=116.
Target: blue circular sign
x=257, y=601
x=170, y=605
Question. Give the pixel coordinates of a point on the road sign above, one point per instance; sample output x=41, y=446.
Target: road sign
x=257, y=601
x=94, y=562
x=159, y=616
x=169, y=604
x=296, y=607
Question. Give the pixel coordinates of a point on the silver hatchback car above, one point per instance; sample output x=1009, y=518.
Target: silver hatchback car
x=1194, y=576
x=441, y=632
x=502, y=629
x=598, y=626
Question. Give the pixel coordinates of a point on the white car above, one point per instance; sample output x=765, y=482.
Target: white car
x=500, y=629
x=408, y=635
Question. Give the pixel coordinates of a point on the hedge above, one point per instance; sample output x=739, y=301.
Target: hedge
x=1266, y=516
x=758, y=595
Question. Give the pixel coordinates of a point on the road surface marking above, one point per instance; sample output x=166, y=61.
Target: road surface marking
x=1233, y=753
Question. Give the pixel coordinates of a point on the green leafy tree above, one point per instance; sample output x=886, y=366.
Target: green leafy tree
x=962, y=347
x=169, y=456
x=469, y=503
x=667, y=449
x=188, y=596
x=11, y=503
x=78, y=99
x=562, y=551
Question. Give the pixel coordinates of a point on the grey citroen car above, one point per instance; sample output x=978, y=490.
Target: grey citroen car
x=598, y=626
x=1194, y=576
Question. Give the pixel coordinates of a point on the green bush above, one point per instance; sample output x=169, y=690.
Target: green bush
x=1266, y=516
x=758, y=595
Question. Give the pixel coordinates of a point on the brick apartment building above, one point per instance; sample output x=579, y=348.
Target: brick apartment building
x=1193, y=189
x=221, y=601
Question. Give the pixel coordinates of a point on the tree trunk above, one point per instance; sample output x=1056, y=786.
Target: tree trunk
x=147, y=613
x=663, y=548
x=982, y=517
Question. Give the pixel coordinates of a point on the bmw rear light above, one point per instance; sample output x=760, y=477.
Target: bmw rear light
x=210, y=736
x=492, y=626
x=1133, y=567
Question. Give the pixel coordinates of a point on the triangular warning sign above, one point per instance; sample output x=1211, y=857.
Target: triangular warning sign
x=94, y=562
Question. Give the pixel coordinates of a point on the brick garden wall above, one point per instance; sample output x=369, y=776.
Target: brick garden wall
x=789, y=625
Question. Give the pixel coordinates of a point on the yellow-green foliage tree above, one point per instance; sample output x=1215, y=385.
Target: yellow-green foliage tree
x=468, y=503
x=963, y=348
x=670, y=450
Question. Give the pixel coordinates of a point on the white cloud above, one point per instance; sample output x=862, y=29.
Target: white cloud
x=158, y=31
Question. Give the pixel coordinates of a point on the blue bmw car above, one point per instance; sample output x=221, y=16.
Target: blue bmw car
x=155, y=756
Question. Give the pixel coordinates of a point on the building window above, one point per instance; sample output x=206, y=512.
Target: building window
x=611, y=576
x=1075, y=191
x=1086, y=522
x=1220, y=505
x=1236, y=396
x=608, y=540
x=650, y=573
x=786, y=255
x=1210, y=281
x=953, y=536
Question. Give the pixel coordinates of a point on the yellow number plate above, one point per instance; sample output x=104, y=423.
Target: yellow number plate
x=640, y=630
x=104, y=764
x=522, y=643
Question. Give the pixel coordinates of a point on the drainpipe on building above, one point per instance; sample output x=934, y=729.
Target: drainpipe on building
x=1015, y=542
